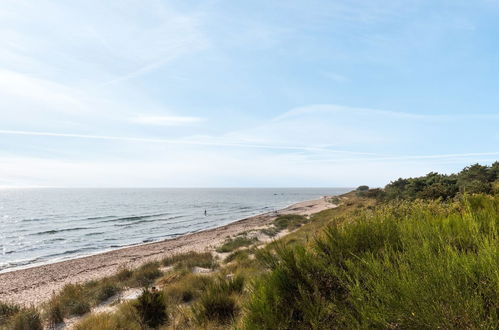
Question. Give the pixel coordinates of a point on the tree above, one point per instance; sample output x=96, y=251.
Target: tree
x=363, y=188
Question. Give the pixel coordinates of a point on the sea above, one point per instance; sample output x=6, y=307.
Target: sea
x=45, y=225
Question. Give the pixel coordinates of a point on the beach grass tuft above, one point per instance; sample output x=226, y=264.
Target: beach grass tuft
x=232, y=244
x=190, y=260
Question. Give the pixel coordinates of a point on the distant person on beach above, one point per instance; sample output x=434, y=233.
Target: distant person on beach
x=205, y=212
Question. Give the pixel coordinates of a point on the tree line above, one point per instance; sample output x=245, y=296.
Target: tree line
x=472, y=179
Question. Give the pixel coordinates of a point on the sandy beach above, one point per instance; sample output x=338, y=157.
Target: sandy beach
x=35, y=285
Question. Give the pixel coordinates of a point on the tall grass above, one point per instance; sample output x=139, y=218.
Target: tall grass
x=13, y=317
x=232, y=244
x=190, y=260
x=420, y=265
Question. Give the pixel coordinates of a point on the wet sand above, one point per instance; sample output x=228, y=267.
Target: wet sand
x=35, y=285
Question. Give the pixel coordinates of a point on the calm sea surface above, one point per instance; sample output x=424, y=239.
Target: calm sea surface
x=46, y=225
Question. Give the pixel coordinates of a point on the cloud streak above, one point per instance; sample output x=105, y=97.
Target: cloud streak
x=167, y=120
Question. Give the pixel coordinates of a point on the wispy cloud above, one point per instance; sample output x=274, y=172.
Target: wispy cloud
x=167, y=120
x=340, y=109
x=204, y=142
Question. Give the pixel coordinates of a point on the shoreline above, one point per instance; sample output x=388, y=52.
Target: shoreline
x=34, y=285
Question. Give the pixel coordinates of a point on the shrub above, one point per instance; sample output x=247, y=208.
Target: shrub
x=151, y=308
x=362, y=188
x=215, y=305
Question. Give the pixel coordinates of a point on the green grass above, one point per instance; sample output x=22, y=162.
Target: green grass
x=282, y=222
x=289, y=222
x=125, y=318
x=187, y=288
x=78, y=299
x=232, y=244
x=7, y=311
x=25, y=319
x=366, y=264
x=418, y=265
x=190, y=260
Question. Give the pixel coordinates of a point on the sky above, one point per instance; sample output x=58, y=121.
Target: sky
x=283, y=93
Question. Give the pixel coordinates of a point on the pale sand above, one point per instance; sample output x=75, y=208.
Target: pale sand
x=35, y=285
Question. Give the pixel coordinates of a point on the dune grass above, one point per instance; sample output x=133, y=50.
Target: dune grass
x=421, y=265
x=78, y=299
x=14, y=317
x=235, y=243
x=366, y=264
x=190, y=260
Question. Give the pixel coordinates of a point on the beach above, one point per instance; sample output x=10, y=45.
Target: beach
x=32, y=286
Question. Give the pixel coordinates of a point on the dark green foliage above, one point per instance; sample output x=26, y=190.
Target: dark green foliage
x=190, y=260
x=362, y=188
x=151, y=309
x=235, y=243
x=216, y=306
x=375, y=193
x=408, y=265
x=26, y=319
x=472, y=179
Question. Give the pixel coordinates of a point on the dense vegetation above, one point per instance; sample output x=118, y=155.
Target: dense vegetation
x=409, y=264
x=422, y=253
x=472, y=179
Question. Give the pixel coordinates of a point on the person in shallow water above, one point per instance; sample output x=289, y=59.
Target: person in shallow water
x=204, y=212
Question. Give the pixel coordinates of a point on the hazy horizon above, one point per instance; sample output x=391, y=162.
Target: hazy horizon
x=261, y=94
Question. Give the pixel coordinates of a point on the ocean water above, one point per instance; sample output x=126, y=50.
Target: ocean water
x=46, y=225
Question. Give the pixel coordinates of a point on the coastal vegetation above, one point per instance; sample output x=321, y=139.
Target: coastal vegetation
x=422, y=253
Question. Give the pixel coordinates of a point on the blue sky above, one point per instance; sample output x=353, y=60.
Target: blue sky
x=245, y=93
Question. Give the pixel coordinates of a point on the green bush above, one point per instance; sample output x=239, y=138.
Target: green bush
x=215, y=305
x=151, y=309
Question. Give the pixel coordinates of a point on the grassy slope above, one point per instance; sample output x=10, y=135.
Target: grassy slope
x=362, y=265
